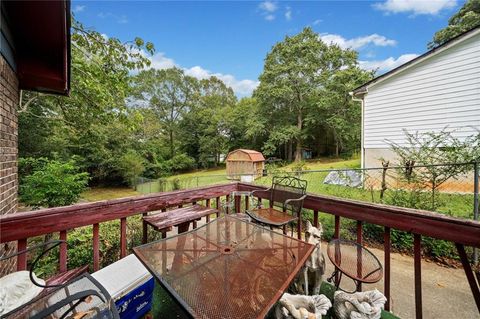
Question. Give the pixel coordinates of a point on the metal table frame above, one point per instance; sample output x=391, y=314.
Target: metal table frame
x=189, y=310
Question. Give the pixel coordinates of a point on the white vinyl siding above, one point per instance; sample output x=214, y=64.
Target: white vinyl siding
x=443, y=90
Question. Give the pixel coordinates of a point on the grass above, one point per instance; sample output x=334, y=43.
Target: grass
x=103, y=193
x=459, y=205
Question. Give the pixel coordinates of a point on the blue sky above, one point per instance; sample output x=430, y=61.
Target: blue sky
x=230, y=39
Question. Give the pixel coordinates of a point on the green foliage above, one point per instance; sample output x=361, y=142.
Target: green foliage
x=438, y=155
x=169, y=94
x=181, y=162
x=304, y=87
x=465, y=19
x=131, y=166
x=52, y=184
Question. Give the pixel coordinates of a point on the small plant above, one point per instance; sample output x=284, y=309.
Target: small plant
x=427, y=161
x=53, y=184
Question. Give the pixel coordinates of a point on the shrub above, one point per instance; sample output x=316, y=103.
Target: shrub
x=131, y=165
x=53, y=184
x=181, y=162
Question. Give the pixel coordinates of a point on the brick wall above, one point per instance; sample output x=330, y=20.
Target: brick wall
x=9, y=95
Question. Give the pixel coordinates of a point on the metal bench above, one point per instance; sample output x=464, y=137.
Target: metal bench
x=180, y=217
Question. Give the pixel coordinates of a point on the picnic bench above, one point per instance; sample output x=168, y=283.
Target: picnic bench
x=179, y=217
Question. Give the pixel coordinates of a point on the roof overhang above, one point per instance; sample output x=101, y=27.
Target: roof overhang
x=362, y=90
x=40, y=32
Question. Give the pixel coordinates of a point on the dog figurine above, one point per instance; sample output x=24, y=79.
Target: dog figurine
x=314, y=267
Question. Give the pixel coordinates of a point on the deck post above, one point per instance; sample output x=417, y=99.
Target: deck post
x=22, y=258
x=469, y=273
x=386, y=248
x=417, y=247
x=63, y=252
x=123, y=237
x=315, y=218
x=96, y=247
x=144, y=230
x=359, y=253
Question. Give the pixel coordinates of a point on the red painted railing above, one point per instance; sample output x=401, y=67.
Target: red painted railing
x=21, y=226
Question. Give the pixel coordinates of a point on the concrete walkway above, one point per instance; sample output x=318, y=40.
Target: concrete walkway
x=445, y=291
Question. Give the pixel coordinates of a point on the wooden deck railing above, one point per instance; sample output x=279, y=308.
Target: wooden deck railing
x=419, y=223
x=21, y=226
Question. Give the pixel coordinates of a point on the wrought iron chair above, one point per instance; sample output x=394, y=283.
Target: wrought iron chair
x=286, y=197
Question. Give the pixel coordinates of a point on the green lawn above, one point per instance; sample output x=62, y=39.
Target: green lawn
x=103, y=193
x=218, y=176
x=460, y=205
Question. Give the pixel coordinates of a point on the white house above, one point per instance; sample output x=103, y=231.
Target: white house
x=437, y=89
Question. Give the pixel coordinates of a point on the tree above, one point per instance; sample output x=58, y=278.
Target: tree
x=169, y=93
x=205, y=127
x=339, y=113
x=468, y=17
x=82, y=123
x=246, y=127
x=297, y=73
x=53, y=183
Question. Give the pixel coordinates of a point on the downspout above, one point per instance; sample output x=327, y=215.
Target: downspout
x=362, y=137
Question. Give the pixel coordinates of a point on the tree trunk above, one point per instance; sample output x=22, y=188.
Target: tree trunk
x=298, y=151
x=289, y=153
x=172, y=149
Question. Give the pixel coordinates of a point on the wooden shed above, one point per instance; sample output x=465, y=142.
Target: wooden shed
x=244, y=162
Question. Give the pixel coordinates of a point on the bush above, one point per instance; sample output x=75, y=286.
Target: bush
x=52, y=184
x=131, y=166
x=181, y=162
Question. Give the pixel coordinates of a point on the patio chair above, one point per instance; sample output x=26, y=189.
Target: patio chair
x=286, y=197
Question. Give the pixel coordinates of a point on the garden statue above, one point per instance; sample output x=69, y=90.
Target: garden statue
x=359, y=305
x=302, y=307
x=314, y=267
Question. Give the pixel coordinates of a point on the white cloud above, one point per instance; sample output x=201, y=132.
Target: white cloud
x=78, y=8
x=383, y=66
x=160, y=61
x=122, y=19
x=415, y=7
x=268, y=6
x=268, y=9
x=240, y=87
x=317, y=22
x=359, y=42
x=269, y=17
x=288, y=14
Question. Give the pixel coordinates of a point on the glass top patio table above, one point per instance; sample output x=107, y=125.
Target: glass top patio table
x=228, y=268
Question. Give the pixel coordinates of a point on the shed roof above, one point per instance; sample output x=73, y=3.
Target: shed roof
x=254, y=156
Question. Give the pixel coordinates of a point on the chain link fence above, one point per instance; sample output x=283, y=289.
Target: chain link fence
x=451, y=189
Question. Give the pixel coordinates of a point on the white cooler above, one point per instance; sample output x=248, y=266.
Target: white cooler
x=130, y=285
